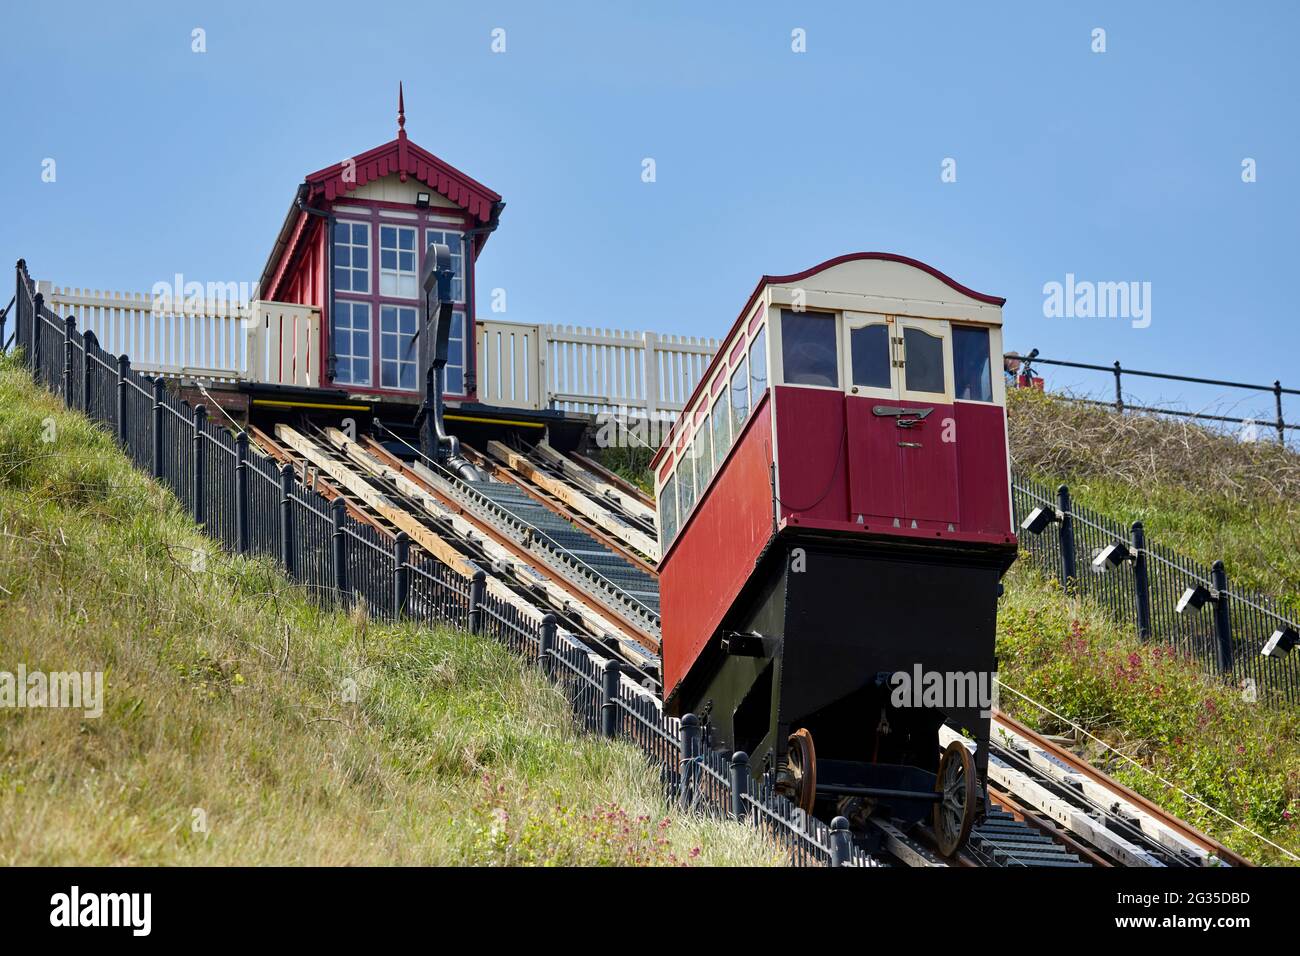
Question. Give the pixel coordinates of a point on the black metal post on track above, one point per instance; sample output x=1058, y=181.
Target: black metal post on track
x=200, y=418
x=286, y=519
x=338, y=512
x=690, y=747
x=739, y=769
x=88, y=341
x=1069, y=570
x=1119, y=388
x=158, y=427
x=241, y=493
x=123, y=370
x=841, y=842
x=38, y=303
x=1141, y=581
x=1222, y=618
x=609, y=706
x=401, y=573
x=69, y=336
x=1281, y=422
x=547, y=644
x=477, y=590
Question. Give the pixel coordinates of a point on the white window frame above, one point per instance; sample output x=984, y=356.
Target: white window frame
x=403, y=346
x=348, y=356
x=351, y=267
x=397, y=277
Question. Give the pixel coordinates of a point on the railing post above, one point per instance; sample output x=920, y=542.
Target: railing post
x=477, y=589
x=123, y=369
x=1119, y=389
x=841, y=842
x=196, y=488
x=69, y=331
x=38, y=302
x=241, y=492
x=1222, y=619
x=609, y=708
x=286, y=519
x=338, y=510
x=650, y=346
x=1281, y=423
x=1141, y=581
x=547, y=644
x=690, y=748
x=88, y=341
x=1066, y=533
x=401, y=573
x=739, y=783
x=158, y=427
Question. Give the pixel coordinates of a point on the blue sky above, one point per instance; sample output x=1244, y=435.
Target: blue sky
x=1115, y=166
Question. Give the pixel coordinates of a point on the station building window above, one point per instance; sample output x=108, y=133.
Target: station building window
x=397, y=265
x=808, y=349
x=352, y=257
x=972, y=364
x=397, y=356
x=351, y=338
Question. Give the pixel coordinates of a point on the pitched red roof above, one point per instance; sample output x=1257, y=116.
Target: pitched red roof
x=407, y=159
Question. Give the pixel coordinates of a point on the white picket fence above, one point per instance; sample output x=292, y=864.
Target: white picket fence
x=589, y=370
x=268, y=342
x=579, y=369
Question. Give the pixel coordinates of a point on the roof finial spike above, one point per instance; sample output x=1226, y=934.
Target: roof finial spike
x=401, y=109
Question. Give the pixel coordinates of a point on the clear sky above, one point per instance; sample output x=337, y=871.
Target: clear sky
x=1115, y=166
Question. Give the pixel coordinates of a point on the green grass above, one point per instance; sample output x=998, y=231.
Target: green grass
x=230, y=733
x=1153, y=706
x=1203, y=493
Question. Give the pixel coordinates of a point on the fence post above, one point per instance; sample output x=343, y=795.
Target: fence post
x=401, y=573
x=1281, y=423
x=123, y=369
x=1222, y=621
x=739, y=783
x=690, y=747
x=841, y=842
x=1066, y=534
x=1141, y=580
x=158, y=426
x=609, y=709
x=69, y=330
x=338, y=510
x=200, y=418
x=650, y=348
x=88, y=341
x=1119, y=389
x=477, y=589
x=286, y=519
x=241, y=492
x=38, y=301
x=547, y=644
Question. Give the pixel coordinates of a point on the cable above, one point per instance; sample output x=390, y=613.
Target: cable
x=1148, y=770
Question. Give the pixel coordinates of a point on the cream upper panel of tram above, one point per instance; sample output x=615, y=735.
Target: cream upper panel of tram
x=887, y=287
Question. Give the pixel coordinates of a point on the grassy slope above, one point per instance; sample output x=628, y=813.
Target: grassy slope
x=224, y=693
x=1205, y=494
x=1156, y=708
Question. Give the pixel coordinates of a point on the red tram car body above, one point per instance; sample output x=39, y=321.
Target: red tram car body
x=834, y=509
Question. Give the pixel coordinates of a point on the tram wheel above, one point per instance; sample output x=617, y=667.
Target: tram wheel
x=954, y=813
x=802, y=763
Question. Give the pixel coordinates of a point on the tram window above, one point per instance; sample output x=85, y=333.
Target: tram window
x=972, y=376
x=703, y=459
x=686, y=474
x=740, y=396
x=721, y=431
x=758, y=367
x=923, y=358
x=869, y=348
x=808, y=349
x=668, y=511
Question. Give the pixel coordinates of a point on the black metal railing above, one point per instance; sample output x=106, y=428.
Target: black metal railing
x=255, y=506
x=1117, y=372
x=1142, y=585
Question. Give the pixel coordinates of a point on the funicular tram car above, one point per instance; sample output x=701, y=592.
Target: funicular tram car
x=835, y=511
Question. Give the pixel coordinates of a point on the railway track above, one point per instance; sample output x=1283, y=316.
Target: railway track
x=552, y=534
